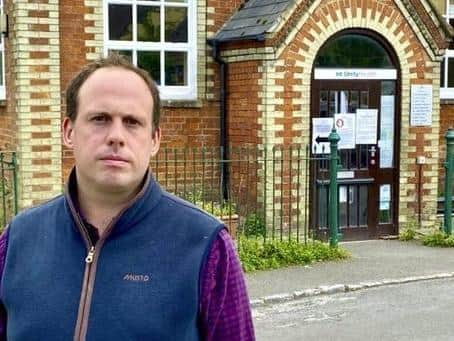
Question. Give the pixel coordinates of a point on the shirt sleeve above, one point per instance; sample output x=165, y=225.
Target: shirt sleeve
x=225, y=312
x=3, y=248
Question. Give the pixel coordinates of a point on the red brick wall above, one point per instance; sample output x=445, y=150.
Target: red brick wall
x=72, y=54
x=242, y=112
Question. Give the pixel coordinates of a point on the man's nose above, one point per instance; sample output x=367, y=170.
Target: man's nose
x=116, y=133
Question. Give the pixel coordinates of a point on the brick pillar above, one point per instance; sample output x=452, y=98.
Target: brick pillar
x=36, y=66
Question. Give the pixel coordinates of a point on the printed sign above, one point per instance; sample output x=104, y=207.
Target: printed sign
x=421, y=105
x=321, y=128
x=386, y=131
x=348, y=73
x=345, y=126
x=366, y=126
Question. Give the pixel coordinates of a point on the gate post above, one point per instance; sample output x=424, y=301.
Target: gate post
x=333, y=138
x=449, y=166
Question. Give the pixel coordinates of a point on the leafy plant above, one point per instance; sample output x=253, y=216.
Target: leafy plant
x=407, y=234
x=214, y=207
x=254, y=226
x=439, y=239
x=257, y=255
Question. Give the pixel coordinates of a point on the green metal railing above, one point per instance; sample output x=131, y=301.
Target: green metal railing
x=8, y=187
x=268, y=191
x=449, y=166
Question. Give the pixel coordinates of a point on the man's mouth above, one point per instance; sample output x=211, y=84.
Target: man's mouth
x=114, y=160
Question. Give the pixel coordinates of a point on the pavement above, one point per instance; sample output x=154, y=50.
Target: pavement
x=373, y=263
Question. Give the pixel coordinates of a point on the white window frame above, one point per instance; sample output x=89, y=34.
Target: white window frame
x=183, y=93
x=2, y=51
x=445, y=91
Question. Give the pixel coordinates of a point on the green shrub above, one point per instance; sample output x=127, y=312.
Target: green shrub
x=257, y=255
x=439, y=239
x=407, y=234
x=254, y=226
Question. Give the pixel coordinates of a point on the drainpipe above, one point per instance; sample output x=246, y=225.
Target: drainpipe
x=222, y=121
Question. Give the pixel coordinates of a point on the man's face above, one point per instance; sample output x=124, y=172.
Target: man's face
x=112, y=136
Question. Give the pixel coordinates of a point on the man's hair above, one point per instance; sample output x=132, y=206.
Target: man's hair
x=113, y=60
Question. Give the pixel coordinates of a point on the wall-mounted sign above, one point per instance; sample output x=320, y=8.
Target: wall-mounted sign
x=421, y=105
x=368, y=74
x=345, y=126
x=366, y=126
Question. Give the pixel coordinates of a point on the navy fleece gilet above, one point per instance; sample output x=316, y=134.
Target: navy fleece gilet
x=147, y=276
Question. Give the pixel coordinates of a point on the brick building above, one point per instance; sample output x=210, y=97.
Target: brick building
x=284, y=66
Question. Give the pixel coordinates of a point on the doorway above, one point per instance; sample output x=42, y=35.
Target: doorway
x=365, y=91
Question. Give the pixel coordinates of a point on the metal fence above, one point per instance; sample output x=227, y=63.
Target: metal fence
x=258, y=192
x=8, y=187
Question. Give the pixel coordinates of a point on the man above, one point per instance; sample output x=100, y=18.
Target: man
x=116, y=257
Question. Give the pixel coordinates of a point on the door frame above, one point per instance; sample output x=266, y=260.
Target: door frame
x=372, y=232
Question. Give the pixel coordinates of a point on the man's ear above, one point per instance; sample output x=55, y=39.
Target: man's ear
x=67, y=128
x=155, y=141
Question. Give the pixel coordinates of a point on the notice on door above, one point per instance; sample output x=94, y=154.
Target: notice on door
x=421, y=105
x=345, y=126
x=321, y=127
x=366, y=126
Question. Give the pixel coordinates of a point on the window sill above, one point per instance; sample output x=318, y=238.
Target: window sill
x=181, y=104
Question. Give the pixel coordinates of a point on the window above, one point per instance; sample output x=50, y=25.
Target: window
x=447, y=65
x=353, y=50
x=158, y=36
x=2, y=61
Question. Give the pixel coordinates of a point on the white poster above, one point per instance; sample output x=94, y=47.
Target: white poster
x=421, y=105
x=366, y=126
x=321, y=127
x=386, y=142
x=345, y=126
x=385, y=196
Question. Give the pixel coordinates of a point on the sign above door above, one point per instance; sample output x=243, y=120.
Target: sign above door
x=350, y=73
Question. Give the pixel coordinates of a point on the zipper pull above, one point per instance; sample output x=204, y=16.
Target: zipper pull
x=90, y=255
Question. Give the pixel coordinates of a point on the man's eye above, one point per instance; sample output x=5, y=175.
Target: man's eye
x=99, y=118
x=131, y=122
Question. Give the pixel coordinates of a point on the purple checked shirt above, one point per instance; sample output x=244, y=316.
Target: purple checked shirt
x=224, y=312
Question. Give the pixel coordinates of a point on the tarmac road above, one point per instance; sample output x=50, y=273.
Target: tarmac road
x=420, y=310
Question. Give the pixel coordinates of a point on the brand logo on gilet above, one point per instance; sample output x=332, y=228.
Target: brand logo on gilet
x=136, y=278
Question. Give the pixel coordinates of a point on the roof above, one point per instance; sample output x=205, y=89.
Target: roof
x=252, y=20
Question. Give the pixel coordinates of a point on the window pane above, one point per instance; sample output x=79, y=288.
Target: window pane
x=364, y=100
x=342, y=206
x=180, y=1
x=323, y=103
x=176, y=24
x=353, y=50
x=126, y=53
x=150, y=61
x=450, y=72
x=363, y=205
x=353, y=206
x=322, y=205
x=120, y=22
x=176, y=68
x=354, y=101
x=148, y=23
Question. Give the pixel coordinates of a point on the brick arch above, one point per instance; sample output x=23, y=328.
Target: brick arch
x=296, y=56
x=288, y=80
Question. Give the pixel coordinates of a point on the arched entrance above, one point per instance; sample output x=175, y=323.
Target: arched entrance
x=355, y=86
